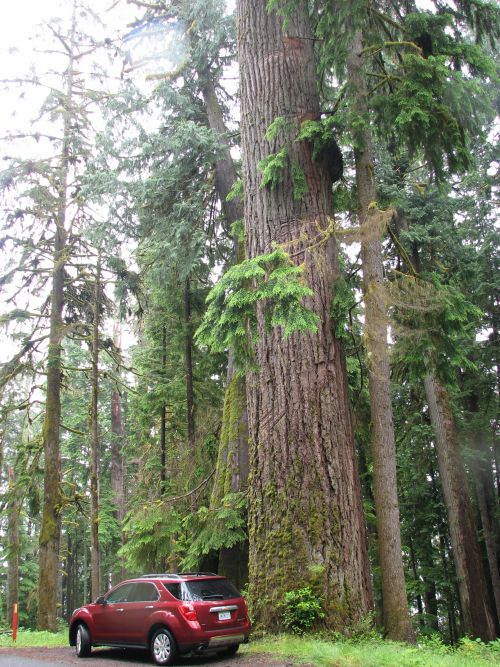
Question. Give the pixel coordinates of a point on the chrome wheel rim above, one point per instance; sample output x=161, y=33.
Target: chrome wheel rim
x=78, y=641
x=161, y=647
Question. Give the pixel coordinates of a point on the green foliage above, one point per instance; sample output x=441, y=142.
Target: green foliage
x=151, y=536
x=303, y=609
x=372, y=652
x=436, y=322
x=278, y=126
x=236, y=192
x=28, y=638
x=273, y=167
x=344, y=300
x=284, y=8
x=212, y=528
x=238, y=230
x=273, y=283
x=318, y=133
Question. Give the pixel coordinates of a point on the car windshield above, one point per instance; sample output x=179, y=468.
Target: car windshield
x=204, y=589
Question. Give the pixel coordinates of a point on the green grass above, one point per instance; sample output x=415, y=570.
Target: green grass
x=321, y=653
x=376, y=653
x=27, y=638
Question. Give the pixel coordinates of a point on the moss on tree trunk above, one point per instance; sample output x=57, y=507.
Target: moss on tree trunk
x=305, y=515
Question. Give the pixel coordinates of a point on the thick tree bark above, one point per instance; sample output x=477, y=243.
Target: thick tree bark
x=395, y=605
x=94, y=447
x=188, y=364
x=305, y=515
x=474, y=599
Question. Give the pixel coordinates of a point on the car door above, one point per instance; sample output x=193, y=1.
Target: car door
x=108, y=617
x=142, y=603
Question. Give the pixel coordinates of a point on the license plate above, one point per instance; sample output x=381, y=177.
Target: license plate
x=224, y=615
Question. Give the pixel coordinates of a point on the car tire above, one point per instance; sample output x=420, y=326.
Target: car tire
x=163, y=647
x=83, y=645
x=229, y=651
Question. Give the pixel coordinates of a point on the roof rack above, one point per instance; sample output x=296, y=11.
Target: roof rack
x=179, y=575
x=163, y=575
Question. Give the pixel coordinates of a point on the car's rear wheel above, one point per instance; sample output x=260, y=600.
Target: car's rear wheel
x=230, y=650
x=163, y=647
x=82, y=642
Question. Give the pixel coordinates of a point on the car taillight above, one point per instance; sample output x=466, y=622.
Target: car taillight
x=189, y=612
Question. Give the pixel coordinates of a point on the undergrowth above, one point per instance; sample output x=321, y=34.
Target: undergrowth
x=28, y=638
x=378, y=652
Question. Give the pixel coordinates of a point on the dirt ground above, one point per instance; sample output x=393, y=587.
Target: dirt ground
x=104, y=657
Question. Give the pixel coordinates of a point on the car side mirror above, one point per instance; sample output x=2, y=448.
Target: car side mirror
x=100, y=600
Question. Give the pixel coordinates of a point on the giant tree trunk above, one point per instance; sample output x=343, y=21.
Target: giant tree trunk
x=305, y=515
x=94, y=447
x=395, y=605
x=474, y=599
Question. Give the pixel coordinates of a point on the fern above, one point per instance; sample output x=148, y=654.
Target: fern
x=236, y=192
x=279, y=125
x=272, y=168
x=231, y=317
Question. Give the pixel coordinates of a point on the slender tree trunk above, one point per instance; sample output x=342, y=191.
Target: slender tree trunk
x=50, y=529
x=477, y=617
x=163, y=418
x=13, y=546
x=51, y=517
x=117, y=462
x=418, y=597
x=85, y=574
x=232, y=460
x=480, y=465
x=188, y=362
x=70, y=580
x=94, y=448
x=395, y=605
x=306, y=520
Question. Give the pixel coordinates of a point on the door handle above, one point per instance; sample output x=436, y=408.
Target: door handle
x=149, y=606
x=120, y=609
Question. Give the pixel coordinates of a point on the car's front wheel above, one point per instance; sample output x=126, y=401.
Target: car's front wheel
x=163, y=647
x=82, y=642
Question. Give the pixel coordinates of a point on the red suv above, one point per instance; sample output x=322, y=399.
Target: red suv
x=170, y=614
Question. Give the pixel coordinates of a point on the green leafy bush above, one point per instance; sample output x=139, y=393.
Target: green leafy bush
x=303, y=608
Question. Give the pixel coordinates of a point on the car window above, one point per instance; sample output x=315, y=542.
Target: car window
x=212, y=589
x=144, y=592
x=174, y=589
x=120, y=594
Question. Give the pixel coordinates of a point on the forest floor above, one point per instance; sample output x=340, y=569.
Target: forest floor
x=41, y=657
x=36, y=649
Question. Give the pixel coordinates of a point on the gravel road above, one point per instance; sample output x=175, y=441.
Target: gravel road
x=43, y=657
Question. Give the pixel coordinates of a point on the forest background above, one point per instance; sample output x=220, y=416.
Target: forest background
x=308, y=262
